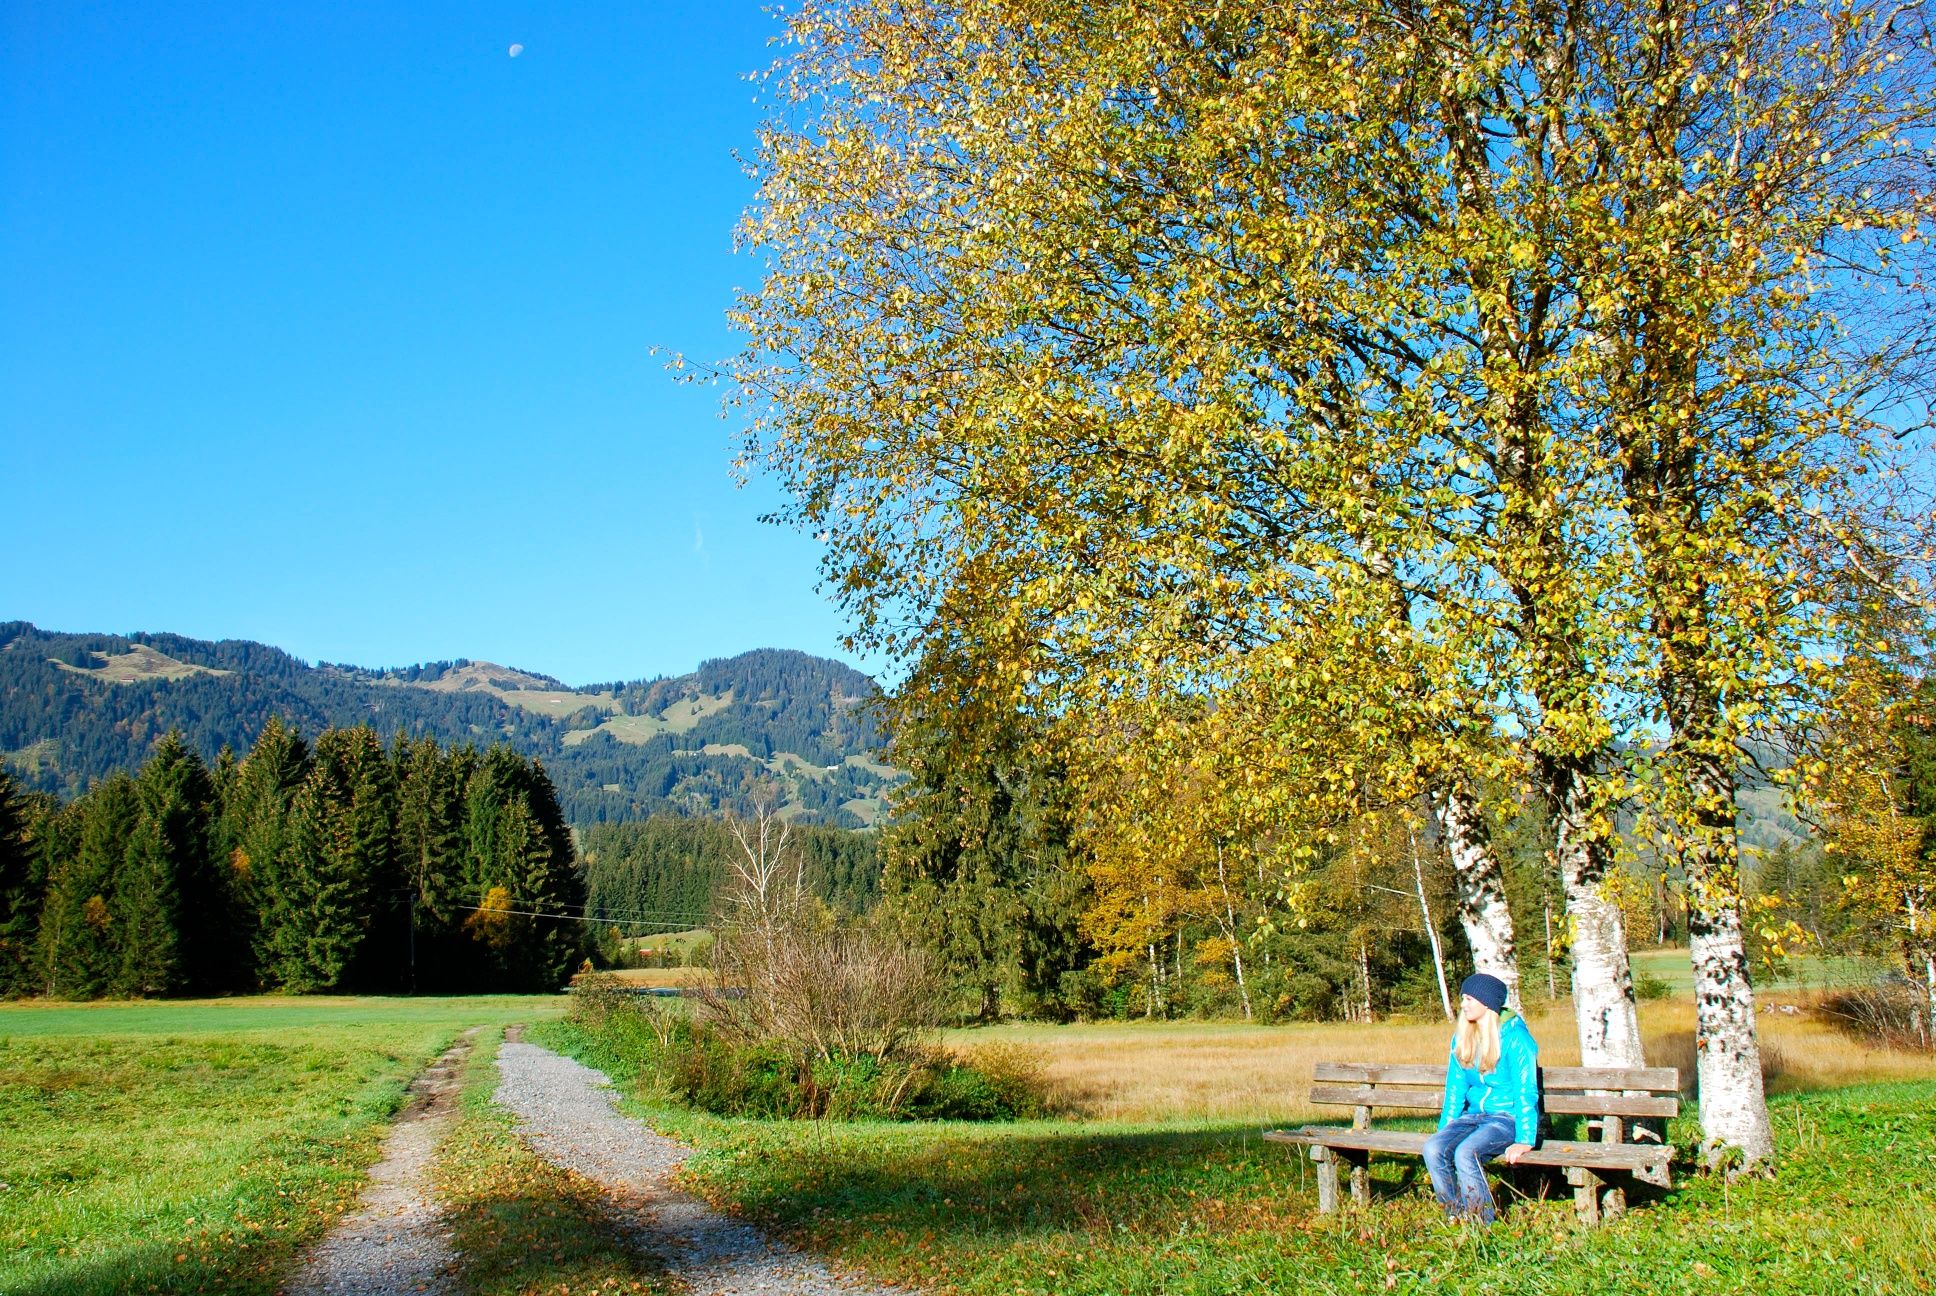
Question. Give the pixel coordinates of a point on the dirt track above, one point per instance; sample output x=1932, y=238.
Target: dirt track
x=395, y=1241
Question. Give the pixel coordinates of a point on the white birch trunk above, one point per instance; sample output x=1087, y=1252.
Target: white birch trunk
x=1480, y=884
x=1234, y=936
x=1929, y=1000
x=1735, y=1130
x=1734, y=1107
x=1603, y=998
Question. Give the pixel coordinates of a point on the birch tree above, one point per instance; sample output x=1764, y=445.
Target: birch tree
x=1429, y=362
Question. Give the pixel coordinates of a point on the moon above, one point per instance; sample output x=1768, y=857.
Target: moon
x=516, y=50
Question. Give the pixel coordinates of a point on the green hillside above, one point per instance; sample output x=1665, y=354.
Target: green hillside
x=75, y=707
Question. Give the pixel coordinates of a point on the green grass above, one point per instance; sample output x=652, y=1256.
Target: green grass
x=1208, y=1208
x=521, y=1224
x=625, y=729
x=557, y=705
x=1057, y=1208
x=195, y=1146
x=1808, y=972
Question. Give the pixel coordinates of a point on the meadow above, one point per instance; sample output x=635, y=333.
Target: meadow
x=1154, y=1179
x=1216, y=1070
x=195, y=1146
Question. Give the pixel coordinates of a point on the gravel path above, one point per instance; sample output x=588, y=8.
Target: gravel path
x=568, y=1116
x=395, y=1241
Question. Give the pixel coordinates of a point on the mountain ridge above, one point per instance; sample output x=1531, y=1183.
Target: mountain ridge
x=768, y=723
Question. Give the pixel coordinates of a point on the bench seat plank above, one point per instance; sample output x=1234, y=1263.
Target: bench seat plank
x=1553, y=1152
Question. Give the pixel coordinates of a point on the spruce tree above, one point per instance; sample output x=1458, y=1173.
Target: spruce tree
x=80, y=944
x=978, y=865
x=519, y=857
x=171, y=905
x=555, y=883
x=256, y=826
x=23, y=883
x=57, y=850
x=430, y=849
x=341, y=854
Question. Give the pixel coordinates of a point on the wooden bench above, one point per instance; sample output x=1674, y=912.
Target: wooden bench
x=1611, y=1098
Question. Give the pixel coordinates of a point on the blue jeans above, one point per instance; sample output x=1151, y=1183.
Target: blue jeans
x=1455, y=1157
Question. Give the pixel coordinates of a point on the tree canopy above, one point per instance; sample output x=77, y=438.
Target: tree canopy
x=1484, y=389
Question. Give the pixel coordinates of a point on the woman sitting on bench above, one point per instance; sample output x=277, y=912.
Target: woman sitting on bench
x=1491, y=1099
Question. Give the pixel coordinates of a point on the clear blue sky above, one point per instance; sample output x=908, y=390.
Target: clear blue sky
x=329, y=326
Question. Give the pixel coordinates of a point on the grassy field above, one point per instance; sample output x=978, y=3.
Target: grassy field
x=1158, y=1182
x=194, y=1146
x=1164, y=1071
x=667, y=976
x=1206, y=1207
x=1805, y=973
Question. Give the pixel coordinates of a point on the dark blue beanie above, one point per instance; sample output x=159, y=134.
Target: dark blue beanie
x=1488, y=990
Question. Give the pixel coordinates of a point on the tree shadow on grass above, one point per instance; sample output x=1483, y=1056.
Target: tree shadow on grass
x=133, y=1271
x=540, y=1241
x=1003, y=1187
x=532, y=1242
x=1006, y=1185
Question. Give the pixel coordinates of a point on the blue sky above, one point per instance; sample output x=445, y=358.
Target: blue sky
x=330, y=326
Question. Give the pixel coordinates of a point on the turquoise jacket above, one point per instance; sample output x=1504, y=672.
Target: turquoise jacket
x=1512, y=1089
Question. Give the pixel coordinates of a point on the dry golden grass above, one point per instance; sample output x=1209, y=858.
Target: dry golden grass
x=1214, y=1071
x=139, y=663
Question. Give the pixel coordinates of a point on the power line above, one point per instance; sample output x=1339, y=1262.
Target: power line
x=569, y=917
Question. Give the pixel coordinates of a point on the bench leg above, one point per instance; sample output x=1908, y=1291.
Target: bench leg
x=1327, y=1163
x=1614, y=1202
x=1586, y=1194
x=1361, y=1178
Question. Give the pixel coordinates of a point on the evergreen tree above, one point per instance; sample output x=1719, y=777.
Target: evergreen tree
x=171, y=905
x=23, y=883
x=342, y=850
x=79, y=944
x=430, y=846
x=520, y=862
x=978, y=862
x=256, y=825
x=554, y=884
x=57, y=847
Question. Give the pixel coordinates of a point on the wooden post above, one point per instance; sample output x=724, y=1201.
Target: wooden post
x=1361, y=1178
x=1614, y=1130
x=1327, y=1164
x=1586, y=1194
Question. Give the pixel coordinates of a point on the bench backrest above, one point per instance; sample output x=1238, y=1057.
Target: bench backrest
x=1563, y=1091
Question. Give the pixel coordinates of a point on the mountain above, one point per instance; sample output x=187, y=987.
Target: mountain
x=74, y=707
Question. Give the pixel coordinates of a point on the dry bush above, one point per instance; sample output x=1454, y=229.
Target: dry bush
x=1890, y=1012
x=789, y=974
x=818, y=990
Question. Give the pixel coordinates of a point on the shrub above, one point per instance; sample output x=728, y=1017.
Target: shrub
x=689, y=1061
x=1649, y=986
x=1891, y=1012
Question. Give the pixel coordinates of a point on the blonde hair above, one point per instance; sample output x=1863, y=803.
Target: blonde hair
x=1477, y=1042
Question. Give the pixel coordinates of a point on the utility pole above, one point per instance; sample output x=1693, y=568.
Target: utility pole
x=1431, y=928
x=1552, y=986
